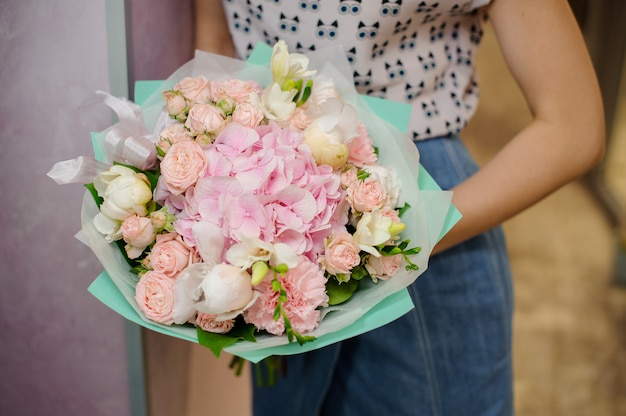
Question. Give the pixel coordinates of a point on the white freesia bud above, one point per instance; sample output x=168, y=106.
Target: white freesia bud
x=288, y=66
x=259, y=271
x=278, y=104
x=372, y=230
x=252, y=250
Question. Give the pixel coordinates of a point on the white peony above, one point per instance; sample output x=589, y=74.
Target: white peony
x=222, y=289
x=124, y=193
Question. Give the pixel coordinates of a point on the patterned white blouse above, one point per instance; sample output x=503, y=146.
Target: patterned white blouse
x=420, y=52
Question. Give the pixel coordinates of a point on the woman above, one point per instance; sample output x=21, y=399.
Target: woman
x=451, y=355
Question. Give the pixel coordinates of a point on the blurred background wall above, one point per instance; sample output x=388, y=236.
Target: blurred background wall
x=61, y=351
x=64, y=353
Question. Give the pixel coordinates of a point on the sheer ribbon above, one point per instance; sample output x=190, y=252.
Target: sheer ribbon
x=128, y=142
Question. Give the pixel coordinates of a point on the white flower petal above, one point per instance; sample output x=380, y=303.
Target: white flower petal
x=107, y=226
x=284, y=254
x=188, y=291
x=209, y=241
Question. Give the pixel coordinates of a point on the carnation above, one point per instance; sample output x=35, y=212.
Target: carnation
x=306, y=293
x=210, y=323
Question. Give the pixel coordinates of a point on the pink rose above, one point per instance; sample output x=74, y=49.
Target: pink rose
x=175, y=133
x=170, y=254
x=207, y=322
x=174, y=102
x=383, y=267
x=196, y=90
x=205, y=118
x=237, y=89
x=182, y=166
x=341, y=255
x=361, y=150
x=248, y=115
x=367, y=195
x=391, y=214
x=155, y=297
x=138, y=233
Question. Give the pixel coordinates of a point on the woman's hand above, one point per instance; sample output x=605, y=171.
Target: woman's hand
x=545, y=51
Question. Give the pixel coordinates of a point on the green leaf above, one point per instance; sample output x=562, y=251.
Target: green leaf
x=153, y=177
x=340, y=292
x=236, y=364
x=94, y=194
x=390, y=250
x=403, y=209
x=359, y=272
x=412, y=251
x=306, y=93
x=362, y=174
x=270, y=370
x=217, y=342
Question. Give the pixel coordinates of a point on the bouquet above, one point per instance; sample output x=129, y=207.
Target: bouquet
x=268, y=207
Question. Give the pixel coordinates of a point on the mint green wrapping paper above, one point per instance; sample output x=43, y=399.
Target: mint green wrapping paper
x=431, y=215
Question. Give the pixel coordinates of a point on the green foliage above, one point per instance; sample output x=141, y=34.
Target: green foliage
x=269, y=370
x=340, y=292
x=403, y=209
x=92, y=190
x=217, y=342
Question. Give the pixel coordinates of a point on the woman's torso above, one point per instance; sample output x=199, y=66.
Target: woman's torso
x=419, y=52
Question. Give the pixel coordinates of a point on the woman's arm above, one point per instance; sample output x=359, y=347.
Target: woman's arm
x=545, y=51
x=212, y=33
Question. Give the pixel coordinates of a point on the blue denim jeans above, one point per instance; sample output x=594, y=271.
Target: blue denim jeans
x=451, y=355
